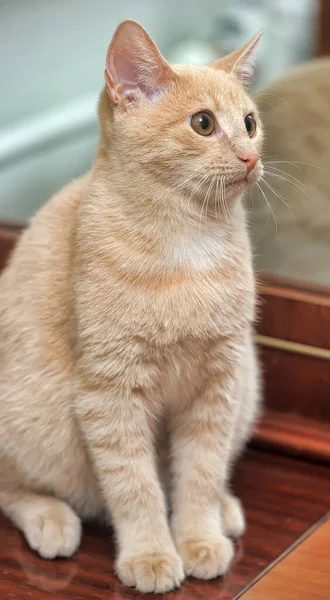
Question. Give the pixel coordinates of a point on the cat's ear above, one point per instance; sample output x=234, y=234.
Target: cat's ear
x=134, y=66
x=241, y=62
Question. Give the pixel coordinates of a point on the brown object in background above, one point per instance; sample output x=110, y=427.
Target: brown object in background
x=8, y=238
x=324, y=28
x=293, y=330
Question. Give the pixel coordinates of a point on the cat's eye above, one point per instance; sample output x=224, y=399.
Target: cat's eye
x=203, y=123
x=250, y=125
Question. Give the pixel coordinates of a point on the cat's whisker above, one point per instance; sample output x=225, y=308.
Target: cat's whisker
x=224, y=200
x=280, y=197
x=262, y=93
x=298, y=184
x=295, y=163
x=194, y=176
x=284, y=175
x=222, y=203
x=221, y=192
x=182, y=184
x=201, y=216
x=270, y=209
x=207, y=198
x=197, y=187
x=264, y=158
x=216, y=201
x=202, y=209
x=265, y=102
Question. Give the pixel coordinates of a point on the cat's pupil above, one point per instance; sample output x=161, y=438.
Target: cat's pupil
x=248, y=124
x=204, y=122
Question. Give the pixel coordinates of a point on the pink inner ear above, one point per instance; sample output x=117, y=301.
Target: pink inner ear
x=124, y=72
x=134, y=65
x=128, y=74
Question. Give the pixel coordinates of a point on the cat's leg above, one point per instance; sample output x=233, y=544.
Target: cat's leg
x=119, y=435
x=49, y=525
x=232, y=515
x=202, y=434
x=249, y=400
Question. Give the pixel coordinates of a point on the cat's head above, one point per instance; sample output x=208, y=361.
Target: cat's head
x=194, y=128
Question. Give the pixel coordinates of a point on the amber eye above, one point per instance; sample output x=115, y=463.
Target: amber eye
x=250, y=124
x=203, y=123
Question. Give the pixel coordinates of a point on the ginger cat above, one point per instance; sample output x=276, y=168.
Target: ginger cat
x=126, y=322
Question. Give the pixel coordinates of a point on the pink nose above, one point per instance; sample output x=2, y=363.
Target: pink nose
x=250, y=159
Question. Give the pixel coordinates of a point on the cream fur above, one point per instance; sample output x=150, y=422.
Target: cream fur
x=126, y=317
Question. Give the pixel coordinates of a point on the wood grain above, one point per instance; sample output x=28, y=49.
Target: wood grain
x=296, y=384
x=301, y=574
x=300, y=313
x=290, y=434
x=283, y=497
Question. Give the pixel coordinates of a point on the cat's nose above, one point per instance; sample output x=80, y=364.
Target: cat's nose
x=250, y=159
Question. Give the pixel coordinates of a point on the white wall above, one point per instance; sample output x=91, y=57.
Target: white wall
x=53, y=50
x=52, y=55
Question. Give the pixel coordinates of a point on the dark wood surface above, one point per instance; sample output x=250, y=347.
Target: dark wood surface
x=297, y=384
x=283, y=497
x=296, y=312
x=292, y=435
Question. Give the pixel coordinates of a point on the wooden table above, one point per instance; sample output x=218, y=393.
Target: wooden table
x=283, y=498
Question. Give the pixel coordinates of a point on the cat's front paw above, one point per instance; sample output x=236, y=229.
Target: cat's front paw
x=206, y=559
x=151, y=572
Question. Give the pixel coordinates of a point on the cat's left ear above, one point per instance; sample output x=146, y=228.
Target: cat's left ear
x=241, y=62
x=134, y=68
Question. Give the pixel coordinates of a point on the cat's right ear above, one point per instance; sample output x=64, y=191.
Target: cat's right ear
x=134, y=68
x=241, y=62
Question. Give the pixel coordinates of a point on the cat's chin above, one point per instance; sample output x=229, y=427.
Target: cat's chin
x=235, y=188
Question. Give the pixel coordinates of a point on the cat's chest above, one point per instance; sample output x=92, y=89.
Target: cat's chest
x=215, y=302
x=209, y=287
x=203, y=291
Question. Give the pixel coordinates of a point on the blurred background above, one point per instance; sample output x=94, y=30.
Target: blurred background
x=51, y=69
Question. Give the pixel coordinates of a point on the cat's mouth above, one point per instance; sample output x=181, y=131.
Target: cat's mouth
x=249, y=179
x=237, y=182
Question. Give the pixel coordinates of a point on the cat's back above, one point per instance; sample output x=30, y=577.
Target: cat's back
x=37, y=431
x=35, y=287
